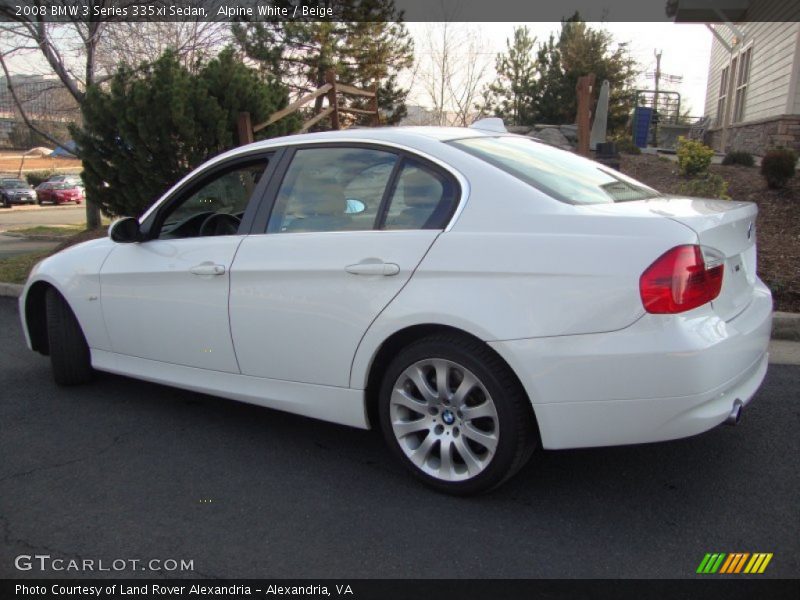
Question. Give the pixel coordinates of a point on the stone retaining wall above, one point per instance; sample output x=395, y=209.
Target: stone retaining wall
x=758, y=136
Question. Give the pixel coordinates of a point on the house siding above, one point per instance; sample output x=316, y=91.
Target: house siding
x=772, y=63
x=772, y=100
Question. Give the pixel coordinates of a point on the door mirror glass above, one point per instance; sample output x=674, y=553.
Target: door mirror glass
x=354, y=207
x=125, y=231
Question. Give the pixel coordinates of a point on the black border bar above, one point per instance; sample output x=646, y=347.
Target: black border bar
x=733, y=588
x=697, y=11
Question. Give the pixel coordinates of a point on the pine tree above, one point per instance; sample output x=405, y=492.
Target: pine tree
x=366, y=44
x=552, y=92
x=155, y=123
x=512, y=96
x=583, y=50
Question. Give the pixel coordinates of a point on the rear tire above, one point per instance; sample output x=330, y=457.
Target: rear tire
x=69, y=352
x=468, y=437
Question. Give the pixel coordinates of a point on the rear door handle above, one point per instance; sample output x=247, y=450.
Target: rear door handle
x=207, y=268
x=373, y=268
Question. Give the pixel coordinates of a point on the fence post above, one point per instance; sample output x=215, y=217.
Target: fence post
x=376, y=118
x=244, y=129
x=333, y=101
x=584, y=90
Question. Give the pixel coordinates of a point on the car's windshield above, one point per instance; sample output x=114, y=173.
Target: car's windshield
x=562, y=175
x=14, y=184
x=63, y=186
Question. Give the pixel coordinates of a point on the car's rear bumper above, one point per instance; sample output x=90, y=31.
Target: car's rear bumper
x=664, y=377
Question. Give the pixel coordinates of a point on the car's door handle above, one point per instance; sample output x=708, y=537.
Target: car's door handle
x=373, y=268
x=207, y=268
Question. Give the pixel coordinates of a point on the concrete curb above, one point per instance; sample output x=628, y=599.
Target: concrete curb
x=785, y=326
x=10, y=290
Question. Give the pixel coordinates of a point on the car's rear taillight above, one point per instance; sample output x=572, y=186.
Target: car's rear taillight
x=680, y=280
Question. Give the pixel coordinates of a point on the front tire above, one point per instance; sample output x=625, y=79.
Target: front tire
x=455, y=415
x=69, y=352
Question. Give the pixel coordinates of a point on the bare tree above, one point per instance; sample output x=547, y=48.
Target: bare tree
x=138, y=41
x=452, y=68
x=81, y=52
x=472, y=67
x=70, y=51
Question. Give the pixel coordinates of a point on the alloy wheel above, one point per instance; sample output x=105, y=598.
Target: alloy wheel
x=444, y=419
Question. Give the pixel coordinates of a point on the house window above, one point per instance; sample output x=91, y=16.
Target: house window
x=723, y=96
x=741, y=85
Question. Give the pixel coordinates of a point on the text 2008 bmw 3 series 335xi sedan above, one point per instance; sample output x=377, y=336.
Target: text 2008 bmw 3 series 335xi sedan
x=473, y=294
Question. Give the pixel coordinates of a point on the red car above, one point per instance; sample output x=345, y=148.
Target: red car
x=59, y=192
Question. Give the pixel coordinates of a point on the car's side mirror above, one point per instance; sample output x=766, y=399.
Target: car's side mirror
x=125, y=231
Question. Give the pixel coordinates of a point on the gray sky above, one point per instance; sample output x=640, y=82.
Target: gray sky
x=685, y=51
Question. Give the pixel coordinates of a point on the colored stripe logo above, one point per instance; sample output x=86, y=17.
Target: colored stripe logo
x=736, y=562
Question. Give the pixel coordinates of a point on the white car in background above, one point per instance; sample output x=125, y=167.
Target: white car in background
x=473, y=294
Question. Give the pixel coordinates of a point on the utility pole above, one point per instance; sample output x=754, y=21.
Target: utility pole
x=658, y=77
x=655, y=97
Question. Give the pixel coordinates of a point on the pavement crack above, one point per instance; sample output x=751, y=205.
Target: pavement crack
x=115, y=441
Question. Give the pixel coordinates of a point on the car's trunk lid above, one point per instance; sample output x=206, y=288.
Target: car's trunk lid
x=724, y=226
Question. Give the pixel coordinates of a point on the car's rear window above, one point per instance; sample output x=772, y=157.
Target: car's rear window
x=562, y=175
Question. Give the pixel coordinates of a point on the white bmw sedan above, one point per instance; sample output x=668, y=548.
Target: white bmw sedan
x=473, y=294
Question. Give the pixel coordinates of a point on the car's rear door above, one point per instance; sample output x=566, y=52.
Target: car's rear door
x=341, y=233
x=166, y=298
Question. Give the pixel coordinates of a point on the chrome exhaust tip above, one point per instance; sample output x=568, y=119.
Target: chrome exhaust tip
x=736, y=413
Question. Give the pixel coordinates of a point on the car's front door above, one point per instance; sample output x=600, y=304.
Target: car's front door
x=348, y=226
x=166, y=298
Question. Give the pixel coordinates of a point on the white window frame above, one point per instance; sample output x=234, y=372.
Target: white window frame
x=742, y=83
x=722, y=99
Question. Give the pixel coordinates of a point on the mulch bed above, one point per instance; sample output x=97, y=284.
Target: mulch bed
x=778, y=223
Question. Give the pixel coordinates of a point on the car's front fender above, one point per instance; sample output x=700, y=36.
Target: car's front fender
x=75, y=273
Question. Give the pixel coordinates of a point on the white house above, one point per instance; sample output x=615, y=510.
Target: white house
x=753, y=90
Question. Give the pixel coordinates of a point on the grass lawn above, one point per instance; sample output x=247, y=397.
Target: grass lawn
x=54, y=231
x=15, y=269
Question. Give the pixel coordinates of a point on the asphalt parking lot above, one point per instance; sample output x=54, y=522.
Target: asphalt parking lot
x=125, y=469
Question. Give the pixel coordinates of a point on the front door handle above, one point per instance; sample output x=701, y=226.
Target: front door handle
x=207, y=268
x=373, y=268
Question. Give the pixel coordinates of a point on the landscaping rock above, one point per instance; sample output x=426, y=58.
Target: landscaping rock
x=552, y=135
x=519, y=129
x=570, y=132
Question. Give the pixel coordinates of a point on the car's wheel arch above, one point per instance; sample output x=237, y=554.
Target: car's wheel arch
x=401, y=338
x=36, y=313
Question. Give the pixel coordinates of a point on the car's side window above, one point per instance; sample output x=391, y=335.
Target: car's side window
x=332, y=189
x=422, y=199
x=214, y=206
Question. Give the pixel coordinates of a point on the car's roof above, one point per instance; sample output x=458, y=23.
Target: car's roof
x=386, y=134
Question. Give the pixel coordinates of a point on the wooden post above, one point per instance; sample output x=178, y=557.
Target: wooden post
x=333, y=101
x=584, y=116
x=376, y=119
x=244, y=129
